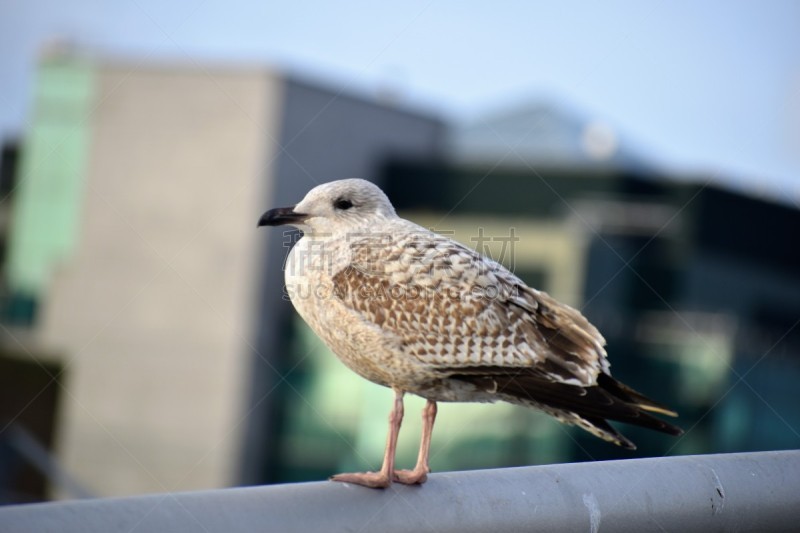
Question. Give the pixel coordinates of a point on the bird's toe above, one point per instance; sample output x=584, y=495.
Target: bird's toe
x=375, y=480
x=411, y=477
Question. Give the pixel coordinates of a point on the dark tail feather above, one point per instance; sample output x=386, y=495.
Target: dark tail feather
x=601, y=428
x=609, y=399
x=625, y=393
x=587, y=402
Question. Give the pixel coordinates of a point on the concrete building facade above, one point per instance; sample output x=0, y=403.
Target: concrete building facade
x=162, y=305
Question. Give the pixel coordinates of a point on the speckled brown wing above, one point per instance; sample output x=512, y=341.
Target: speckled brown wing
x=453, y=308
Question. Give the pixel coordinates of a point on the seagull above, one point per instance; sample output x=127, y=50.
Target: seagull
x=417, y=312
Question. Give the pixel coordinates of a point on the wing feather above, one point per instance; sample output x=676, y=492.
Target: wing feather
x=449, y=306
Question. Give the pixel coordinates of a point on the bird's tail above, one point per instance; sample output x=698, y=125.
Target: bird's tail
x=586, y=407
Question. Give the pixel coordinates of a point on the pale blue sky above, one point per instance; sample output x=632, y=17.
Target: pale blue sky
x=696, y=85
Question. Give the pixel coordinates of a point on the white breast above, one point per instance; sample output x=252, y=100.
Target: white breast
x=310, y=266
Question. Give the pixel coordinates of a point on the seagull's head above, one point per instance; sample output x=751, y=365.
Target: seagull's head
x=334, y=207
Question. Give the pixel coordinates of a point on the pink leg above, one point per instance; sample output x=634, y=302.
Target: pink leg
x=382, y=479
x=420, y=473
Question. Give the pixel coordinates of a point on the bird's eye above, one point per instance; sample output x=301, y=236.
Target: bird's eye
x=341, y=203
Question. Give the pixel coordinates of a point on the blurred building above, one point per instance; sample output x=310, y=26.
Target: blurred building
x=149, y=345
x=541, y=133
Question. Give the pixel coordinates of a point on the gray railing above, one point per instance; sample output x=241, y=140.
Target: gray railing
x=734, y=492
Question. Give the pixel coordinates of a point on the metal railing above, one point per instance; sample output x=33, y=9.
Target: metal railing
x=732, y=492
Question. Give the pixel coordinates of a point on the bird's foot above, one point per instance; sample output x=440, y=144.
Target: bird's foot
x=375, y=480
x=418, y=476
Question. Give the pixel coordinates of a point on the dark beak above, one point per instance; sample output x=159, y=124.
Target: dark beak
x=280, y=216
